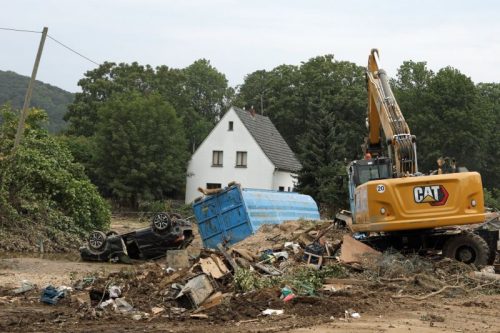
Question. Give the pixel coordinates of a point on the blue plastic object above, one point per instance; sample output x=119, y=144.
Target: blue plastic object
x=235, y=213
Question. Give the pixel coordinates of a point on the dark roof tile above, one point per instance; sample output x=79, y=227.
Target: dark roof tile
x=270, y=140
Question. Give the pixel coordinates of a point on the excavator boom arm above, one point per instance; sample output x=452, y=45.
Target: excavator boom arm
x=384, y=112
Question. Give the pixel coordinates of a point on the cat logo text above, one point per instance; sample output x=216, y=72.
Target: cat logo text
x=435, y=195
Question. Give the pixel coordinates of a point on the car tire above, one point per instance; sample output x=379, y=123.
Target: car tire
x=97, y=240
x=468, y=248
x=161, y=222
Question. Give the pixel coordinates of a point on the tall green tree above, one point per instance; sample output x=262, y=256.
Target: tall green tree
x=322, y=152
x=140, y=148
x=98, y=86
x=199, y=93
x=291, y=95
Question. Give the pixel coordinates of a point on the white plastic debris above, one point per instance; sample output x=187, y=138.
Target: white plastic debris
x=351, y=313
x=281, y=255
x=65, y=289
x=121, y=305
x=107, y=303
x=169, y=270
x=114, y=292
x=294, y=246
x=25, y=286
x=271, y=312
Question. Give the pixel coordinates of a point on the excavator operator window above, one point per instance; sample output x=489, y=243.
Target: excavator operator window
x=365, y=171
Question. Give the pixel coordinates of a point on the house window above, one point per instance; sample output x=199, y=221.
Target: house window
x=289, y=189
x=281, y=189
x=211, y=186
x=241, y=159
x=230, y=127
x=217, y=158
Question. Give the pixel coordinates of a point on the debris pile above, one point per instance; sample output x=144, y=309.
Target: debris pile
x=298, y=269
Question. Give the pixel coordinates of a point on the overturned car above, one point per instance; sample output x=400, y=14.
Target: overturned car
x=166, y=232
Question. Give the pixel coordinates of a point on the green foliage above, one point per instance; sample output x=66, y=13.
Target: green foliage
x=45, y=96
x=492, y=198
x=303, y=280
x=198, y=93
x=140, y=148
x=451, y=117
x=323, y=174
x=292, y=95
x=40, y=182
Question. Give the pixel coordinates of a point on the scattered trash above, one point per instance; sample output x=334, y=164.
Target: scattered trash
x=121, y=305
x=106, y=303
x=199, y=316
x=156, y=310
x=51, y=295
x=25, y=286
x=137, y=317
x=82, y=298
x=214, y=267
x=195, y=292
x=351, y=314
x=114, y=292
x=178, y=259
x=294, y=246
x=169, y=270
x=271, y=312
x=353, y=251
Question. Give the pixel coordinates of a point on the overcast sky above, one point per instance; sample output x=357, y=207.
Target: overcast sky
x=239, y=37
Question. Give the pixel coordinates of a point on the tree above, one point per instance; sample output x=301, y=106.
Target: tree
x=98, y=86
x=291, y=95
x=200, y=95
x=140, y=148
x=40, y=184
x=321, y=150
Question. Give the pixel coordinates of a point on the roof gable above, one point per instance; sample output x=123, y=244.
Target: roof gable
x=270, y=140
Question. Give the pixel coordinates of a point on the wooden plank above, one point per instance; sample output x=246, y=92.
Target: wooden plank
x=228, y=257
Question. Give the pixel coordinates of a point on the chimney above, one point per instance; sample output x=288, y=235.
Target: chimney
x=252, y=111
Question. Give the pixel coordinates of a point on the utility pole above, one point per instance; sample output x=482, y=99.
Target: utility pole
x=27, y=98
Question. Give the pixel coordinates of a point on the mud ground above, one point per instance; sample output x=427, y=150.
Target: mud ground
x=379, y=312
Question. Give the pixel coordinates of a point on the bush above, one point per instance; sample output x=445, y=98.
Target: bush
x=41, y=184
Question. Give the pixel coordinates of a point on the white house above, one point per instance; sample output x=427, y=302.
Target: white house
x=244, y=147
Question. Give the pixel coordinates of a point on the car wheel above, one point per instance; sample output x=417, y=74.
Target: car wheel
x=97, y=240
x=161, y=222
x=468, y=248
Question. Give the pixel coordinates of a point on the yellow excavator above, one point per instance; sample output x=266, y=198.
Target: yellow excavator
x=395, y=205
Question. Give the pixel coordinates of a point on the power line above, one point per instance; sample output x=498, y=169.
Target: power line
x=55, y=40
x=20, y=30
x=75, y=52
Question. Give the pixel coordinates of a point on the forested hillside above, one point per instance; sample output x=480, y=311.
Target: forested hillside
x=52, y=99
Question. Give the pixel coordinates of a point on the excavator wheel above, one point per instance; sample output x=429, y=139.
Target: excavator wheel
x=468, y=248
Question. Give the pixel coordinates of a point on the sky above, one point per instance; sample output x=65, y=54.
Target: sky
x=239, y=37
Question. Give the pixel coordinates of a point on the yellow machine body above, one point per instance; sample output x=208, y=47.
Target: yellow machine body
x=420, y=202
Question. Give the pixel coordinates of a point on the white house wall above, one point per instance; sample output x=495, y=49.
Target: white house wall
x=283, y=179
x=259, y=172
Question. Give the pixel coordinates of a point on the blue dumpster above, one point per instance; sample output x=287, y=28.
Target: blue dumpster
x=236, y=213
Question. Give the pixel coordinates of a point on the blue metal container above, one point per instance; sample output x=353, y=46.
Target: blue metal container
x=235, y=213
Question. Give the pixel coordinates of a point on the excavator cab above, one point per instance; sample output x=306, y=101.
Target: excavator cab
x=361, y=171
